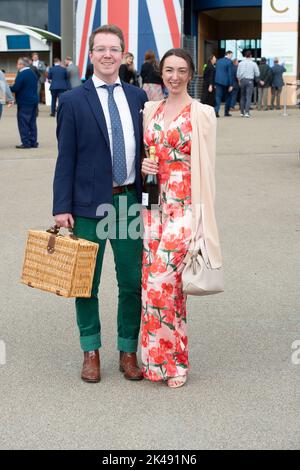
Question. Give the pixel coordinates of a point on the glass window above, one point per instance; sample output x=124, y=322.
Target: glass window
x=18, y=41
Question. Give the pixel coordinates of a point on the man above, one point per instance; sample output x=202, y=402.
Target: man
x=224, y=83
x=25, y=89
x=72, y=73
x=100, y=142
x=59, y=83
x=247, y=72
x=277, y=83
x=266, y=76
x=41, y=69
x=5, y=93
x=236, y=86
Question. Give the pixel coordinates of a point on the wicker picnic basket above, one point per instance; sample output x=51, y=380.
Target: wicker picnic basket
x=63, y=265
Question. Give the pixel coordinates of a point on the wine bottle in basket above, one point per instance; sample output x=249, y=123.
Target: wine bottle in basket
x=151, y=186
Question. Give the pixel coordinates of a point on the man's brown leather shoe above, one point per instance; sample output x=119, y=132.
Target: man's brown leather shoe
x=129, y=365
x=91, y=367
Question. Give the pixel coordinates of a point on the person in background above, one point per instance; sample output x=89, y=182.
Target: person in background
x=247, y=73
x=208, y=93
x=72, y=73
x=57, y=75
x=89, y=71
x=236, y=86
x=127, y=72
x=151, y=79
x=41, y=68
x=5, y=93
x=25, y=89
x=224, y=83
x=277, y=83
x=266, y=77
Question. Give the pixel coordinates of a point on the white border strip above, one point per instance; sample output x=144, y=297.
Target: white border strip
x=104, y=12
x=133, y=28
x=160, y=26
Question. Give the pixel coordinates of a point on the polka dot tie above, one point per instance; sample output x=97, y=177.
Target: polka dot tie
x=118, y=143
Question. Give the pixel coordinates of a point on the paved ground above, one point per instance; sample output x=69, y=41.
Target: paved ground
x=243, y=389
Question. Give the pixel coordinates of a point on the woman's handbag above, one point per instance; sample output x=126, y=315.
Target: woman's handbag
x=63, y=265
x=198, y=277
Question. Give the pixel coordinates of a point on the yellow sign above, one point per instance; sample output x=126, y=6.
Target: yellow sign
x=276, y=9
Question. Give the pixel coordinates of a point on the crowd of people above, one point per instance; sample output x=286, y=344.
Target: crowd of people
x=227, y=79
x=33, y=73
x=29, y=90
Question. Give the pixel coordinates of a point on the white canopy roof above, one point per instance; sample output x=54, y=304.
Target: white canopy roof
x=37, y=37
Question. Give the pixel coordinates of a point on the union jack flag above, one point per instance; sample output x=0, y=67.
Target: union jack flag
x=146, y=24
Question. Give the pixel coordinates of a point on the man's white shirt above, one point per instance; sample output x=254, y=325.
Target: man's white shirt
x=126, y=120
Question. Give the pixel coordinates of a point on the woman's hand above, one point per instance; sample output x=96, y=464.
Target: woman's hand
x=149, y=167
x=210, y=88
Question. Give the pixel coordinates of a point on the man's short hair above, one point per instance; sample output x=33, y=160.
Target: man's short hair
x=107, y=29
x=248, y=54
x=229, y=52
x=56, y=60
x=24, y=60
x=68, y=58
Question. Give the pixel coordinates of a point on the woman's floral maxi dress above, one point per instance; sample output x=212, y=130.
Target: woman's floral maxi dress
x=166, y=240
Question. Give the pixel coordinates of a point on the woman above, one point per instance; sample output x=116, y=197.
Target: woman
x=127, y=72
x=182, y=130
x=208, y=94
x=151, y=79
x=5, y=93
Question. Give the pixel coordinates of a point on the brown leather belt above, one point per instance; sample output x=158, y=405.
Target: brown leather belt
x=122, y=189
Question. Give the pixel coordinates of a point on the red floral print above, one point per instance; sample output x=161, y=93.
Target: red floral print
x=166, y=239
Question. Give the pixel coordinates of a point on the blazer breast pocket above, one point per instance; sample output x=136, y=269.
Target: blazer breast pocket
x=84, y=185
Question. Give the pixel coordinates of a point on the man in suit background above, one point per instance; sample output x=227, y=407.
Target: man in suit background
x=59, y=83
x=224, y=83
x=72, y=73
x=25, y=89
x=5, y=93
x=100, y=142
x=41, y=69
x=277, y=83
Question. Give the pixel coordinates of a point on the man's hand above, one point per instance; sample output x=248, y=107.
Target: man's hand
x=64, y=220
x=9, y=104
x=262, y=82
x=230, y=89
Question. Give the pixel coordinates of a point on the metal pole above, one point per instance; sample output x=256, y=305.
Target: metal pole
x=182, y=25
x=66, y=10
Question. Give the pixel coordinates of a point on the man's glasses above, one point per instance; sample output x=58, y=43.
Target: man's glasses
x=103, y=50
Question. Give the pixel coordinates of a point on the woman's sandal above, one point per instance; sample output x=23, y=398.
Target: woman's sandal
x=176, y=382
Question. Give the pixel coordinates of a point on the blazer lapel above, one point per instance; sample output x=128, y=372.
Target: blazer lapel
x=93, y=99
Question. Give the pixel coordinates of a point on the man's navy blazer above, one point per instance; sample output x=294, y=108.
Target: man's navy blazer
x=25, y=88
x=59, y=78
x=224, y=72
x=83, y=177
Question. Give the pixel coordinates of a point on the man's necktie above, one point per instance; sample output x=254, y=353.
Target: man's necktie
x=118, y=143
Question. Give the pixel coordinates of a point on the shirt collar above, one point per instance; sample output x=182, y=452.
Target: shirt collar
x=24, y=68
x=98, y=82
